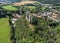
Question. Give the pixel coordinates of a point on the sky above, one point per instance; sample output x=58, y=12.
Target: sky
x=9, y=0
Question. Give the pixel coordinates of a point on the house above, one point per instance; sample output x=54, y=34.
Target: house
x=38, y=14
x=15, y=18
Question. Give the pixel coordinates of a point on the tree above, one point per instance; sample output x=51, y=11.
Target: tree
x=9, y=9
x=41, y=33
x=23, y=33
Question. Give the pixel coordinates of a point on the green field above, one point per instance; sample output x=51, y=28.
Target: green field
x=4, y=30
x=10, y=8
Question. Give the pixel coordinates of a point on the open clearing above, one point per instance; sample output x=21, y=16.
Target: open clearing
x=23, y=3
x=4, y=30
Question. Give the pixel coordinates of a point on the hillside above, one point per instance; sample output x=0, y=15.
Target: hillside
x=42, y=1
x=23, y=3
x=49, y=1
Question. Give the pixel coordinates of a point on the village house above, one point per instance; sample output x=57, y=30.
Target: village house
x=52, y=14
x=16, y=16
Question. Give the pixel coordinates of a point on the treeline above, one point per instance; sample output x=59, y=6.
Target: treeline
x=44, y=31
x=23, y=32
x=54, y=2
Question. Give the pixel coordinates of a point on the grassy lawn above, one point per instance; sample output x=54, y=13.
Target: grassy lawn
x=4, y=30
x=10, y=8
